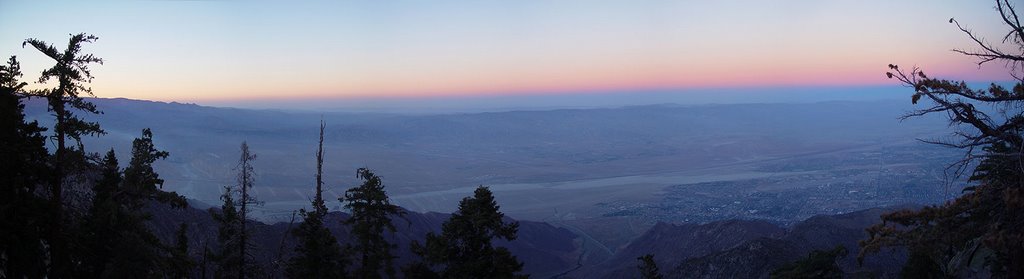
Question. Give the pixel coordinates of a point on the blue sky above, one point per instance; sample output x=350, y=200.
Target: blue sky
x=227, y=52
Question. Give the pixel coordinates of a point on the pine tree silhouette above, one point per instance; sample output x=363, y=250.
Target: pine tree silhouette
x=72, y=73
x=23, y=165
x=464, y=246
x=371, y=215
x=318, y=254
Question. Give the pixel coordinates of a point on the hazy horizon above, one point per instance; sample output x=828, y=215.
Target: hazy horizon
x=572, y=100
x=561, y=100
x=428, y=159
x=575, y=100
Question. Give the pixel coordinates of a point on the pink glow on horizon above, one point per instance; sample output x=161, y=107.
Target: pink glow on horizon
x=609, y=81
x=366, y=49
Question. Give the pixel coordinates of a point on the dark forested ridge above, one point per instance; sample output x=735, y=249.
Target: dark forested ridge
x=543, y=248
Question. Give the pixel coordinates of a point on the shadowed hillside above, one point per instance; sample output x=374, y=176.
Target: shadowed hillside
x=544, y=249
x=749, y=249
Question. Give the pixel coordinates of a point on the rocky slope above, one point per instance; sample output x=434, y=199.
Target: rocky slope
x=748, y=249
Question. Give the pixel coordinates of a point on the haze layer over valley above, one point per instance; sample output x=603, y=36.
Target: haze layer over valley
x=622, y=167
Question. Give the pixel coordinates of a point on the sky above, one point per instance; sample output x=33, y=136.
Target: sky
x=248, y=52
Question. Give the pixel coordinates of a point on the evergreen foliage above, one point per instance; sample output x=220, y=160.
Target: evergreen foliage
x=103, y=219
x=818, y=264
x=371, y=215
x=23, y=167
x=464, y=249
x=228, y=257
x=648, y=268
x=180, y=264
x=318, y=254
x=235, y=258
x=920, y=266
x=117, y=243
x=984, y=225
x=72, y=73
x=141, y=181
x=419, y=269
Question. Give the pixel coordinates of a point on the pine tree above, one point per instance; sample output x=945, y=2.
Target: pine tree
x=246, y=179
x=141, y=186
x=180, y=264
x=101, y=226
x=137, y=252
x=464, y=247
x=818, y=264
x=72, y=73
x=228, y=258
x=117, y=241
x=142, y=183
x=235, y=259
x=23, y=166
x=648, y=268
x=371, y=215
x=989, y=127
x=419, y=269
x=318, y=254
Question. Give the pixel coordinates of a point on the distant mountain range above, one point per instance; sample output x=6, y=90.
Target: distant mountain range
x=425, y=158
x=565, y=167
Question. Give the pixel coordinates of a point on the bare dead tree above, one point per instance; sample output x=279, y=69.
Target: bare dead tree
x=988, y=125
x=990, y=52
x=317, y=253
x=969, y=109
